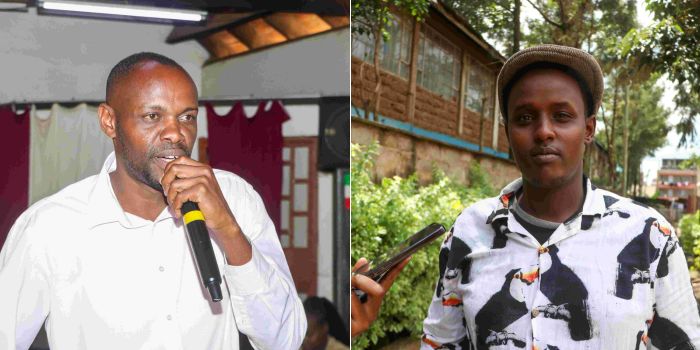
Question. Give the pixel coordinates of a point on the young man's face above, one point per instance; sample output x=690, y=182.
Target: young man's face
x=547, y=127
x=156, y=112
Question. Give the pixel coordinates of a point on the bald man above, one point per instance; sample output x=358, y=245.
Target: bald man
x=105, y=262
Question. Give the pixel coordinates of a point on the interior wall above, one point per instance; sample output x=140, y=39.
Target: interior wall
x=54, y=58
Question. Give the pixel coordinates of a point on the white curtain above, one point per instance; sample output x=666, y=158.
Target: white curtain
x=66, y=145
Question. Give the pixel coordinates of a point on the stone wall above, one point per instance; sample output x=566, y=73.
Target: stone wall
x=402, y=154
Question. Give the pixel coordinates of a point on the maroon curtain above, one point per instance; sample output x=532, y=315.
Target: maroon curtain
x=14, y=174
x=251, y=148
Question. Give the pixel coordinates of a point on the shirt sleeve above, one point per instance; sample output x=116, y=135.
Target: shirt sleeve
x=263, y=296
x=444, y=327
x=676, y=322
x=24, y=286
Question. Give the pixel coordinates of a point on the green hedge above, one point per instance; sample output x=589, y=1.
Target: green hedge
x=690, y=238
x=386, y=213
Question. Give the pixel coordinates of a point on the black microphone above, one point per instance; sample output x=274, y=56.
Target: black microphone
x=201, y=248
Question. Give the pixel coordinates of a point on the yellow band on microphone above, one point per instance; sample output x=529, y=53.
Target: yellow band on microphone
x=193, y=216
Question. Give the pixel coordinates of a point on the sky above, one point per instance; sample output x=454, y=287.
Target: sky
x=650, y=165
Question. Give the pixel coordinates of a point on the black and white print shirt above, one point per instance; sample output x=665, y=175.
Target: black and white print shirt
x=612, y=277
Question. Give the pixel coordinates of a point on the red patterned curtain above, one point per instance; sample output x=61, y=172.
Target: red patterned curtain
x=14, y=174
x=251, y=148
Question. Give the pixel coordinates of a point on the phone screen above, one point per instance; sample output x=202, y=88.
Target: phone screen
x=378, y=267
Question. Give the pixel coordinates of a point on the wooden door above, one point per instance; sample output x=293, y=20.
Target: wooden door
x=299, y=213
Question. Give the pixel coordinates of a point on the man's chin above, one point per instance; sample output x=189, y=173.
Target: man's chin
x=156, y=186
x=547, y=181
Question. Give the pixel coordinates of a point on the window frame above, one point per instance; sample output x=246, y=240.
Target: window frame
x=440, y=46
x=402, y=45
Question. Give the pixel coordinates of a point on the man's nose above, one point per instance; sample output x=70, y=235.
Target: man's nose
x=544, y=129
x=172, y=131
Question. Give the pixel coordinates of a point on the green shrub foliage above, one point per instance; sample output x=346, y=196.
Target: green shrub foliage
x=384, y=214
x=690, y=238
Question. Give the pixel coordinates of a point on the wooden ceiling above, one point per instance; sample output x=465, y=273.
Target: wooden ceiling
x=227, y=35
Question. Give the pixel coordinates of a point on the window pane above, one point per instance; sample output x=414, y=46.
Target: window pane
x=285, y=153
x=442, y=64
x=479, y=89
x=362, y=46
x=284, y=240
x=301, y=163
x=393, y=52
x=285, y=180
x=301, y=197
x=300, y=232
x=284, y=217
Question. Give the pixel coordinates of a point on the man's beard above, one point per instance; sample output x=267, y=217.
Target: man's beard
x=140, y=167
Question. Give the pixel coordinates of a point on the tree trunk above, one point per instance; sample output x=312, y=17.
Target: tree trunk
x=625, y=140
x=516, y=26
x=611, y=140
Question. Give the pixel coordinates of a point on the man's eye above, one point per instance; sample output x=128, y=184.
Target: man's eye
x=562, y=116
x=524, y=118
x=151, y=116
x=188, y=117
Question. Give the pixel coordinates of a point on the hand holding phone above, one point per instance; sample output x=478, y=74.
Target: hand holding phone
x=401, y=251
x=362, y=314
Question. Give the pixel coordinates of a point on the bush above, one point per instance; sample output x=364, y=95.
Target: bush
x=386, y=213
x=690, y=238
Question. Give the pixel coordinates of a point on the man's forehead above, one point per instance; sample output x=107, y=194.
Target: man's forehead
x=157, y=70
x=153, y=75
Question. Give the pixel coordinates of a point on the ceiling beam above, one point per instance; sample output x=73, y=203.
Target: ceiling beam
x=257, y=33
x=215, y=22
x=297, y=25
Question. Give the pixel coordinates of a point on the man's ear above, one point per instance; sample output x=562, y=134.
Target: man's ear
x=590, y=129
x=107, y=119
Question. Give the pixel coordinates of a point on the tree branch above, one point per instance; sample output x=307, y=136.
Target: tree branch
x=545, y=17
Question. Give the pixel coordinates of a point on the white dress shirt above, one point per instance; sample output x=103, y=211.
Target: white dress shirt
x=612, y=277
x=102, y=278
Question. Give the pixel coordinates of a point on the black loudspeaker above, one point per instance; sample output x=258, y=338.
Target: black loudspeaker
x=334, y=133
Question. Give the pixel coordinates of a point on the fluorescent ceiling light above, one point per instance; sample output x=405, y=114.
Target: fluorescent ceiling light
x=124, y=10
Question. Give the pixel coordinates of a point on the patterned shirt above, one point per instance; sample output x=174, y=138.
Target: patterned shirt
x=611, y=277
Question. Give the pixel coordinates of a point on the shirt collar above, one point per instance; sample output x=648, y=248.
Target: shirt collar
x=103, y=206
x=593, y=203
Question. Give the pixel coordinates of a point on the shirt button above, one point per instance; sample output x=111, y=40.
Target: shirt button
x=535, y=312
x=169, y=317
x=161, y=269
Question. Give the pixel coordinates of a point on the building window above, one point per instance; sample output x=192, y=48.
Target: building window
x=478, y=88
x=394, y=54
x=439, y=64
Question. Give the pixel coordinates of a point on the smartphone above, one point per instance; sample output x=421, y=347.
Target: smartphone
x=387, y=260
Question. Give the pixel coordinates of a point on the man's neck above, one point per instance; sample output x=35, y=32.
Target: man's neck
x=553, y=204
x=136, y=197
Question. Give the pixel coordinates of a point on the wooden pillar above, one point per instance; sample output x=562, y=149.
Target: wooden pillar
x=462, y=84
x=496, y=117
x=411, y=103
